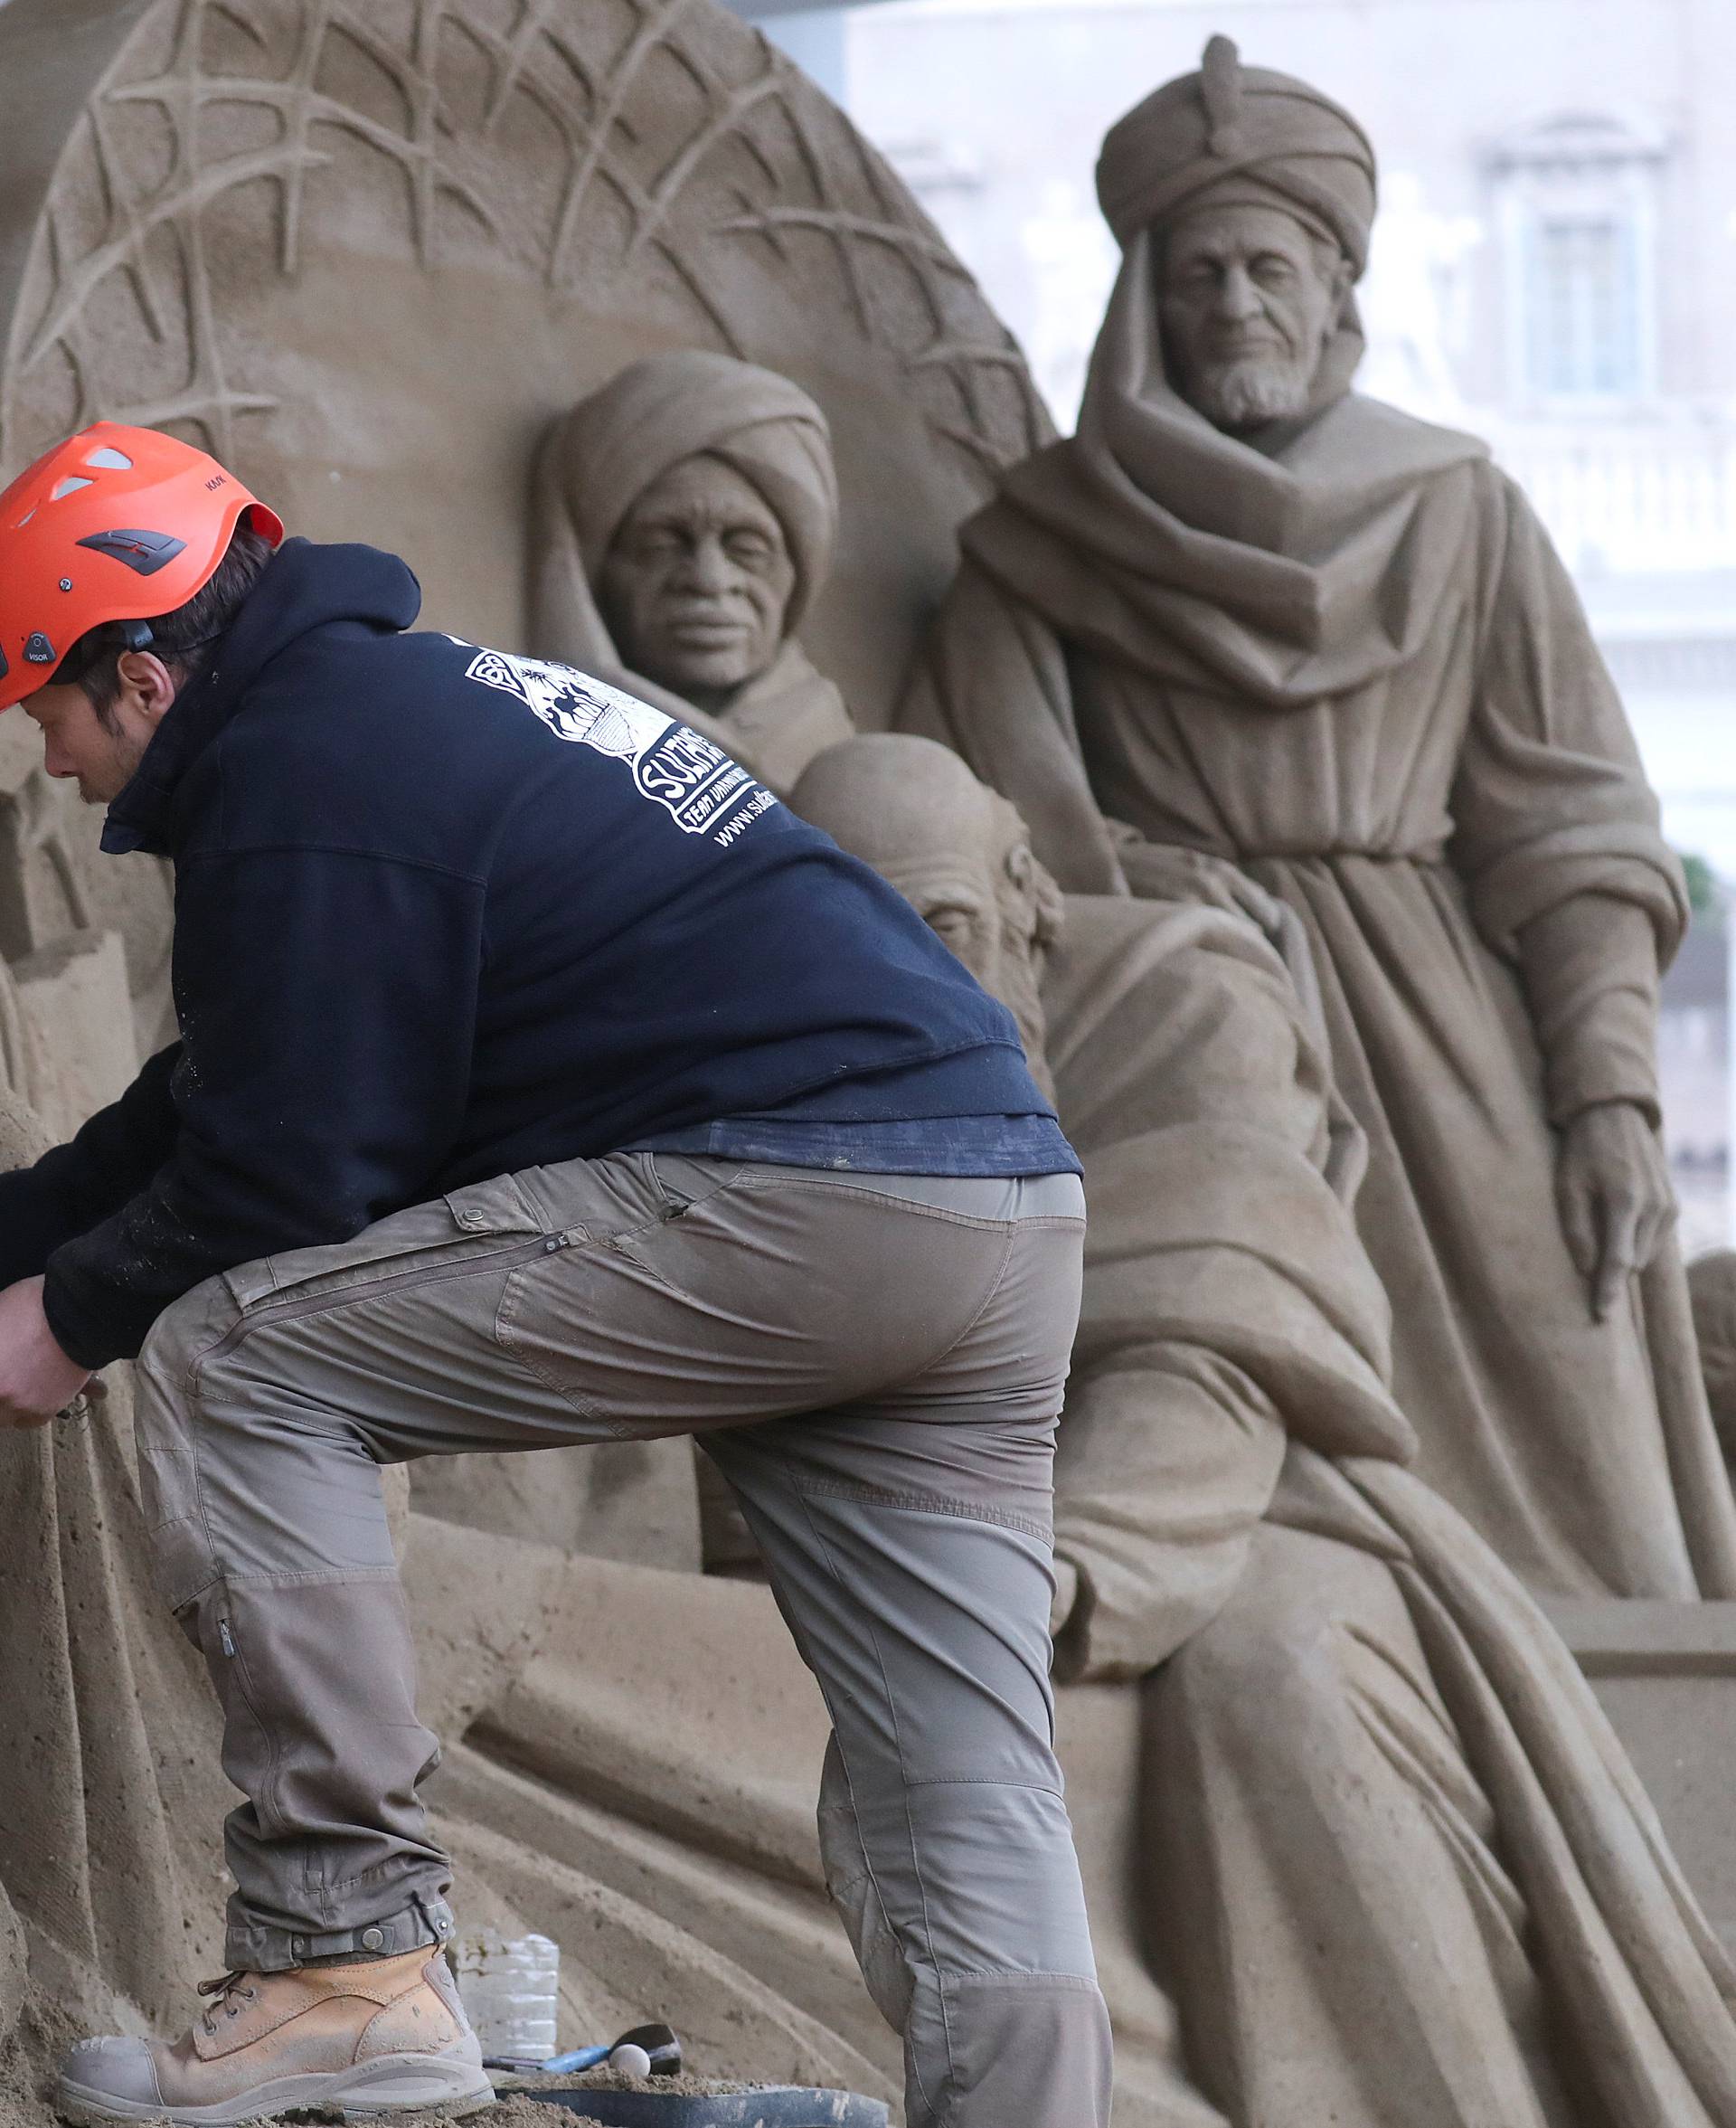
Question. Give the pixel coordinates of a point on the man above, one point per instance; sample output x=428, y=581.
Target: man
x=682, y=522
x=1246, y=614
x=542, y=1080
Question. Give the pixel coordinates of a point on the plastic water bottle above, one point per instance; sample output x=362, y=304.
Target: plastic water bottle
x=510, y=1988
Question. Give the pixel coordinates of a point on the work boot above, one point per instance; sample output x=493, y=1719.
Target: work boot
x=350, y=2040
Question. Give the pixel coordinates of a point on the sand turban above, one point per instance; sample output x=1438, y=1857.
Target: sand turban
x=1241, y=133
x=669, y=408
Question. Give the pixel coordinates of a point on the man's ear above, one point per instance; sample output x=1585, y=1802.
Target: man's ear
x=148, y=687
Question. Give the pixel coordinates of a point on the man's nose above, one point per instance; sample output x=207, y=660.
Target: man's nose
x=1238, y=298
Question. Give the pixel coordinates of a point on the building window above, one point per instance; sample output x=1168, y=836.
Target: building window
x=1582, y=321
x=1577, y=206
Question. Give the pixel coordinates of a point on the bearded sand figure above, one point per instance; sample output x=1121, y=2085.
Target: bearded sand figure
x=683, y=523
x=1247, y=613
x=1397, y=1869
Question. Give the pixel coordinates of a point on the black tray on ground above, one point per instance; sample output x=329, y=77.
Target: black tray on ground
x=785, y=2107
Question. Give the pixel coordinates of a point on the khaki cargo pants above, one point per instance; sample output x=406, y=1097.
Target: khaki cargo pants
x=875, y=1363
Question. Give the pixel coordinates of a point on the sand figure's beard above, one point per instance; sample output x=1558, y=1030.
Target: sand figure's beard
x=1249, y=390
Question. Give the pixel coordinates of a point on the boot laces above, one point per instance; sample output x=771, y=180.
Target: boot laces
x=229, y=1991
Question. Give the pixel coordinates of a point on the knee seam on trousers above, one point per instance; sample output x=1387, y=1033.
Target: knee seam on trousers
x=922, y=1503
x=299, y=1577
x=984, y=1781
x=222, y=1577
x=1080, y=1983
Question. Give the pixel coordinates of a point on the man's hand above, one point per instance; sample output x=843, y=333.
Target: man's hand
x=36, y=1377
x=1612, y=1190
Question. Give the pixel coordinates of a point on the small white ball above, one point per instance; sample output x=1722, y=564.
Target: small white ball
x=630, y=2060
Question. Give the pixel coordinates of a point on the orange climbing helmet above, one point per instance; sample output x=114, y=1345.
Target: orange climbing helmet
x=114, y=525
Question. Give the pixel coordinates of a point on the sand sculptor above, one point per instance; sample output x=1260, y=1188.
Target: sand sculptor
x=482, y=1135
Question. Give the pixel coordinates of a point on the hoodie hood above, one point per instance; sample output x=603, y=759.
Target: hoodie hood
x=303, y=586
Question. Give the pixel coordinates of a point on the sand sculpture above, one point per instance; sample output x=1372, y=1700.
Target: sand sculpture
x=372, y=256
x=1247, y=613
x=85, y=947
x=535, y=197
x=1712, y=1289
x=1383, y=1811
x=682, y=522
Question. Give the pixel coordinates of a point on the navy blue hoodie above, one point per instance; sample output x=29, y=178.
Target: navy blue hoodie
x=440, y=914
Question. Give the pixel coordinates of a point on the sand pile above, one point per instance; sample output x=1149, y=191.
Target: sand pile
x=604, y=2078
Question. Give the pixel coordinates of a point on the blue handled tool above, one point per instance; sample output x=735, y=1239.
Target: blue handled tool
x=657, y=2044
x=581, y=2058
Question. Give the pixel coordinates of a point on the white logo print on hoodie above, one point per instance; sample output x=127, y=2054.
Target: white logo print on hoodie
x=696, y=783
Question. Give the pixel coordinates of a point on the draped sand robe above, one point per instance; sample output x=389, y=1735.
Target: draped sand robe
x=1349, y=662
x=1395, y=1865
x=596, y=464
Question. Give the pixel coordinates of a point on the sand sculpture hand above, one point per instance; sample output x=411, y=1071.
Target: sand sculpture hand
x=1612, y=1188
x=1066, y=1595
x=36, y=1379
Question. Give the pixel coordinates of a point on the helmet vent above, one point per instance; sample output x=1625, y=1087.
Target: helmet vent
x=146, y=552
x=69, y=486
x=109, y=459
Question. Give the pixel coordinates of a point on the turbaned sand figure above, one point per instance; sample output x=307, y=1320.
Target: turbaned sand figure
x=683, y=522
x=1394, y=1865
x=1247, y=612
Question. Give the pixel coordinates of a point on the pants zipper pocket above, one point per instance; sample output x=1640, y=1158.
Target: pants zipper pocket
x=287, y=1311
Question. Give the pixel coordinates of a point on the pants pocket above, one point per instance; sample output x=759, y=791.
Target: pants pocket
x=684, y=1180
x=400, y=1242
x=497, y=1206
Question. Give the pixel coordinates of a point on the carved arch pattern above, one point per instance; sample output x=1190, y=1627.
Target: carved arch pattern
x=660, y=133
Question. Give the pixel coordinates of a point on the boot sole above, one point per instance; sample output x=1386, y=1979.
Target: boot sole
x=446, y=2088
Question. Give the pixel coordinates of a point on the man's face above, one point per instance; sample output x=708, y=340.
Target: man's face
x=1248, y=300
x=98, y=753
x=698, y=581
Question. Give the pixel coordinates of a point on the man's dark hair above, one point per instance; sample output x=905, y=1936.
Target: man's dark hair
x=181, y=639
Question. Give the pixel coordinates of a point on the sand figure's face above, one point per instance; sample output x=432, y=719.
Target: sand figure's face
x=981, y=902
x=1249, y=298
x=957, y=851
x=697, y=582
x=983, y=894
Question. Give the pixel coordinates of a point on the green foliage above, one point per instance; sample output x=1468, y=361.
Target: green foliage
x=1703, y=896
